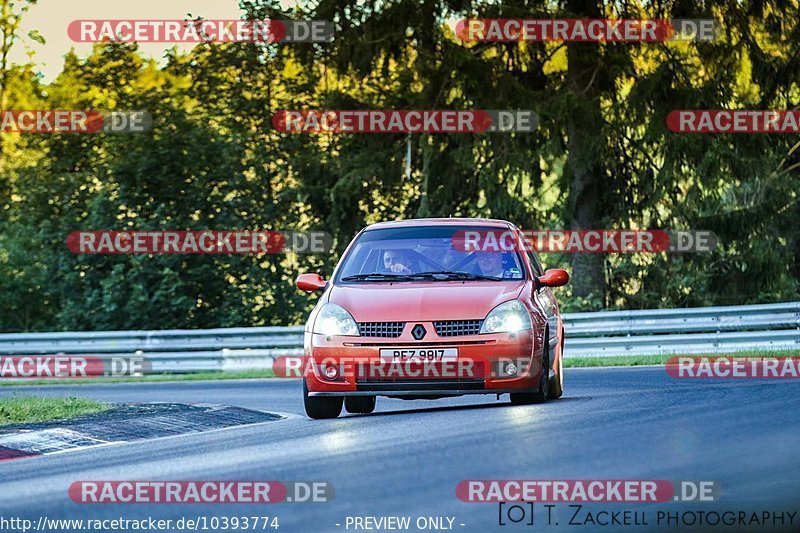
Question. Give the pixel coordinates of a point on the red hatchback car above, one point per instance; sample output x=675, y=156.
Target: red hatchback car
x=412, y=312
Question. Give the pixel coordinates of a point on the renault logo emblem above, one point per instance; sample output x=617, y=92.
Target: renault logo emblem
x=418, y=332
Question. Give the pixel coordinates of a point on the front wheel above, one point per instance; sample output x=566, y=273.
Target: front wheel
x=362, y=405
x=543, y=392
x=318, y=407
x=557, y=383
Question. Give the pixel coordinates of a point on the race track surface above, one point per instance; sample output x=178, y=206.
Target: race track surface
x=407, y=458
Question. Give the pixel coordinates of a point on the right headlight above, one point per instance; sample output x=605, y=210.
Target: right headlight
x=506, y=318
x=335, y=320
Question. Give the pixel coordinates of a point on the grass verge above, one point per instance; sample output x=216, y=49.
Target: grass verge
x=583, y=362
x=29, y=409
x=195, y=376
x=578, y=362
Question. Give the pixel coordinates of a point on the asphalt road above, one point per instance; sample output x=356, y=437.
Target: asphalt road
x=407, y=458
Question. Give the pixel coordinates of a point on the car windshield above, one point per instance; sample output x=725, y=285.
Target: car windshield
x=424, y=253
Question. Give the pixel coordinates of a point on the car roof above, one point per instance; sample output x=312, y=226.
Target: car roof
x=492, y=222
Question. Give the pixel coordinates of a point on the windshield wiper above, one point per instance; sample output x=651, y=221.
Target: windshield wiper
x=441, y=275
x=377, y=276
x=444, y=275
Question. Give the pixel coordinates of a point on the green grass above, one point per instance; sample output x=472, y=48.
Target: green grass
x=195, y=376
x=579, y=362
x=29, y=409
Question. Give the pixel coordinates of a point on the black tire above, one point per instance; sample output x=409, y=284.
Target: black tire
x=318, y=407
x=543, y=392
x=557, y=383
x=362, y=405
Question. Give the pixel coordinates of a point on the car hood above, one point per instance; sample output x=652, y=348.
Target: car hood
x=425, y=301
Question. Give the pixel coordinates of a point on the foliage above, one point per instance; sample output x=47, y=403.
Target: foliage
x=601, y=158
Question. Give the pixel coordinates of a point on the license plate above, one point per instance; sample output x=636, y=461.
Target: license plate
x=419, y=354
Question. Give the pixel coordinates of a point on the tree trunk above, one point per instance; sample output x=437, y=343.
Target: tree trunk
x=424, y=209
x=584, y=169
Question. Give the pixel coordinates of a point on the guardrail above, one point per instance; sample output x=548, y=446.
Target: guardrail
x=707, y=330
x=695, y=330
x=169, y=351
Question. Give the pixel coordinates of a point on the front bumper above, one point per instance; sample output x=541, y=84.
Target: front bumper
x=484, y=356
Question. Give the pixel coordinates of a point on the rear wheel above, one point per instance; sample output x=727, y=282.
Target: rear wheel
x=362, y=405
x=321, y=406
x=543, y=392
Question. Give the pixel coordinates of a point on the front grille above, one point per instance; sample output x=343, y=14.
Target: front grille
x=455, y=328
x=381, y=329
x=395, y=344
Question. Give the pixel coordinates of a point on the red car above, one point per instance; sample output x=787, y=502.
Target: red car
x=433, y=308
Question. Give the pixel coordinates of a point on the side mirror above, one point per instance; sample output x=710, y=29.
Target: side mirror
x=554, y=277
x=310, y=282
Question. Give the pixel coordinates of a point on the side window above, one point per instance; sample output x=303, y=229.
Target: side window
x=537, y=266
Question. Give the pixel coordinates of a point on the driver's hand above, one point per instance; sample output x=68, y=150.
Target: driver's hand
x=399, y=268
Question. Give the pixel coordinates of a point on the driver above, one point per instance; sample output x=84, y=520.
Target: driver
x=490, y=264
x=397, y=262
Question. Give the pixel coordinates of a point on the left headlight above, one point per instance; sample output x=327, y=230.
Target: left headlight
x=335, y=320
x=506, y=318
